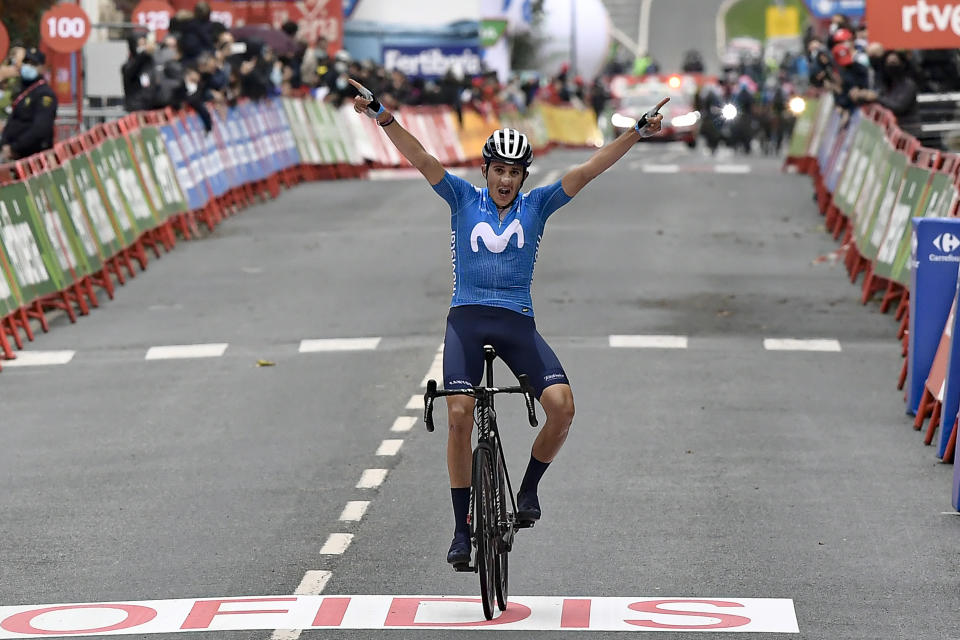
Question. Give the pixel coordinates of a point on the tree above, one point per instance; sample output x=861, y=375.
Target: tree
x=22, y=20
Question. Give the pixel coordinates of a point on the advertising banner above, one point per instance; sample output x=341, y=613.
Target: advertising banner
x=888, y=198
x=826, y=9
x=134, y=199
x=873, y=183
x=114, y=201
x=35, y=272
x=91, y=197
x=855, y=168
x=933, y=283
x=151, y=154
x=803, y=129
x=846, y=135
x=190, y=182
x=936, y=202
x=898, y=229
x=431, y=62
x=914, y=24
x=57, y=236
x=77, y=220
x=951, y=386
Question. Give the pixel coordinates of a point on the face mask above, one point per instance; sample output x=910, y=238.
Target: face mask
x=276, y=77
x=191, y=87
x=29, y=72
x=341, y=83
x=894, y=70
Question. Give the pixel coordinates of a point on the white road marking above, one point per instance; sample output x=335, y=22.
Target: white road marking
x=183, y=351
x=950, y=513
x=649, y=342
x=436, y=370
x=403, y=173
x=415, y=402
x=313, y=583
x=732, y=168
x=354, y=511
x=252, y=270
x=312, y=611
x=405, y=423
x=389, y=447
x=339, y=344
x=660, y=168
x=372, y=478
x=39, y=358
x=336, y=544
x=792, y=344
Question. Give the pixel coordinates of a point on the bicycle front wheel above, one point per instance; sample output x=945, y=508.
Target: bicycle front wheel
x=485, y=527
x=502, y=566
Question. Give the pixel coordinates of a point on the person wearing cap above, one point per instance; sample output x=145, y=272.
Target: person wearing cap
x=495, y=238
x=29, y=129
x=851, y=75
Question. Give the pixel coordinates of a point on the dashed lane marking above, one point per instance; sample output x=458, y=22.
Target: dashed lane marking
x=372, y=478
x=436, y=368
x=354, y=511
x=415, y=402
x=648, y=342
x=405, y=423
x=389, y=447
x=184, y=351
x=732, y=168
x=660, y=168
x=455, y=613
x=312, y=584
x=793, y=344
x=339, y=344
x=39, y=358
x=336, y=544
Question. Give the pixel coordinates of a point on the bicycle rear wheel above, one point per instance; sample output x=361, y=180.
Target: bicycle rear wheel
x=502, y=566
x=485, y=527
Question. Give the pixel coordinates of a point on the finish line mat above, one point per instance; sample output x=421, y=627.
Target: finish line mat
x=524, y=613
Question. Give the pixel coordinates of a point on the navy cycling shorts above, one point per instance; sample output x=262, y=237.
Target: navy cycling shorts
x=512, y=334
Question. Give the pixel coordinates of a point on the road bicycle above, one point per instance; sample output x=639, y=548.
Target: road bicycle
x=492, y=524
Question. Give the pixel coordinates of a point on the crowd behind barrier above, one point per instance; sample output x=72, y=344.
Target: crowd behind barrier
x=82, y=217
x=882, y=193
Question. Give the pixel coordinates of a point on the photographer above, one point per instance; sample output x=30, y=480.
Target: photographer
x=29, y=129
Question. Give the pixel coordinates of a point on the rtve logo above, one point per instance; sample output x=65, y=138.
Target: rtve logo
x=946, y=242
x=931, y=17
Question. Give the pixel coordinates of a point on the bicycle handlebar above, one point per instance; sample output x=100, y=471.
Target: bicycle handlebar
x=432, y=392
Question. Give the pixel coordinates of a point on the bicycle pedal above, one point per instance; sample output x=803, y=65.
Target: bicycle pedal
x=463, y=567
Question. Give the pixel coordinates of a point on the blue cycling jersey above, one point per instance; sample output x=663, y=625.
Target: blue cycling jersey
x=493, y=259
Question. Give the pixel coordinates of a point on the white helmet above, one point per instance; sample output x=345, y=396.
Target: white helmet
x=508, y=146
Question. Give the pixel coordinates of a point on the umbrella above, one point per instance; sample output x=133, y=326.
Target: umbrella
x=277, y=40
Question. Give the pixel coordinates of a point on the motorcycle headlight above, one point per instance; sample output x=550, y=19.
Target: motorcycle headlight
x=729, y=112
x=621, y=121
x=686, y=120
x=797, y=105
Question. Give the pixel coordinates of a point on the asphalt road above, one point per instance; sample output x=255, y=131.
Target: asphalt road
x=722, y=470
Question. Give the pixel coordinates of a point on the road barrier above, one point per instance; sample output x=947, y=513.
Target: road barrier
x=871, y=180
x=81, y=217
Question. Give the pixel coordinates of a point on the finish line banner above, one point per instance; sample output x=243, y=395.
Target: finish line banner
x=524, y=613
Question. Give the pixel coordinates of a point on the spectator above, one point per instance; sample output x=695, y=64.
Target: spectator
x=898, y=92
x=849, y=75
x=821, y=63
x=139, y=73
x=29, y=129
x=196, y=34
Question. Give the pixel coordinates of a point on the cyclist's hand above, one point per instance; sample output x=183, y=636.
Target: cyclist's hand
x=651, y=122
x=365, y=102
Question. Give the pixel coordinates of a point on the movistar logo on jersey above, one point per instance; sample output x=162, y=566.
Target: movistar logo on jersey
x=492, y=241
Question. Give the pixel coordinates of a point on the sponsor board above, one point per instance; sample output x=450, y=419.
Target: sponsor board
x=431, y=62
x=914, y=24
x=524, y=613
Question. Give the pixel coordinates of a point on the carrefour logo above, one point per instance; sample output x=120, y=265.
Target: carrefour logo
x=946, y=242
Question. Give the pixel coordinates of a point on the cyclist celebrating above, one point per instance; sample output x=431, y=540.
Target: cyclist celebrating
x=496, y=232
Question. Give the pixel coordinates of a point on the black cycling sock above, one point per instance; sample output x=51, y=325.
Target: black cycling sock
x=534, y=472
x=461, y=509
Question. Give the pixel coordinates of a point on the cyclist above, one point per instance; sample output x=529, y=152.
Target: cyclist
x=495, y=236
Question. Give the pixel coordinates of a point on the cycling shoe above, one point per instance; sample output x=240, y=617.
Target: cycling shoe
x=459, y=549
x=528, y=507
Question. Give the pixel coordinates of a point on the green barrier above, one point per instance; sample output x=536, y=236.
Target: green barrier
x=85, y=184
x=307, y=145
x=891, y=180
x=133, y=195
x=803, y=129
x=76, y=220
x=151, y=153
x=858, y=161
x=324, y=127
x=865, y=208
x=898, y=230
x=935, y=203
x=60, y=238
x=341, y=127
x=824, y=111
x=112, y=199
x=33, y=265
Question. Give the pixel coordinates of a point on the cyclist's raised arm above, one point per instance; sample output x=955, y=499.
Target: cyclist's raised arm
x=578, y=177
x=403, y=140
